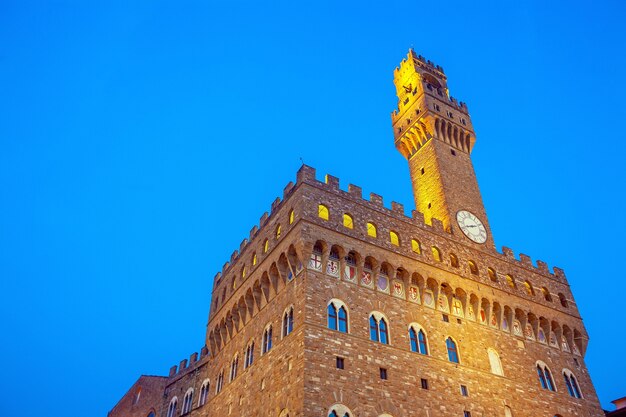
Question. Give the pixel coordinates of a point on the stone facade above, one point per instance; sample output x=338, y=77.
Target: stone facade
x=505, y=316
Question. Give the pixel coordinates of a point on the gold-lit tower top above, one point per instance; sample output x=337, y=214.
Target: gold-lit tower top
x=425, y=108
x=434, y=132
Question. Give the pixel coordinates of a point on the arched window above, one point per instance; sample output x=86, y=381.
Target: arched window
x=572, y=385
x=337, y=316
x=278, y=231
x=171, y=409
x=454, y=261
x=472, y=267
x=494, y=362
x=417, y=337
x=371, y=230
x=220, y=382
x=511, y=281
x=563, y=300
x=234, y=367
x=529, y=288
x=507, y=411
x=254, y=259
x=266, y=245
x=394, y=239
x=545, y=377
x=347, y=221
x=291, y=216
x=453, y=352
x=379, y=331
x=287, y=321
x=546, y=294
x=151, y=414
x=322, y=212
x=492, y=274
x=249, y=359
x=436, y=253
x=267, y=339
x=187, y=401
x=204, y=392
x=415, y=246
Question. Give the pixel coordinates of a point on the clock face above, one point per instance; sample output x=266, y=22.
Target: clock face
x=471, y=226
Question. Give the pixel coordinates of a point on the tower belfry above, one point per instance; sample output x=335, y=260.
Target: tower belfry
x=434, y=132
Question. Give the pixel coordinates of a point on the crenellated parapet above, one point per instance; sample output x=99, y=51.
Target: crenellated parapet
x=307, y=174
x=185, y=365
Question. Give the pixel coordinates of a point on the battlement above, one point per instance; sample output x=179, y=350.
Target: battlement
x=186, y=364
x=307, y=174
x=414, y=58
x=417, y=75
x=265, y=217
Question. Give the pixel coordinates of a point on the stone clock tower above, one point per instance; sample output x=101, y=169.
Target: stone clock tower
x=434, y=132
x=337, y=306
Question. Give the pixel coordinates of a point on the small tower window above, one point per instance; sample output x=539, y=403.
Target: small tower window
x=472, y=267
x=291, y=216
x=254, y=259
x=415, y=246
x=371, y=230
x=492, y=274
x=511, y=282
x=436, y=253
x=454, y=261
x=563, y=300
x=278, y=231
x=322, y=212
x=546, y=294
x=347, y=221
x=529, y=288
x=266, y=246
x=394, y=239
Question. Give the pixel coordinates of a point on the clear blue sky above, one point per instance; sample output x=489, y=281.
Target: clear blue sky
x=140, y=142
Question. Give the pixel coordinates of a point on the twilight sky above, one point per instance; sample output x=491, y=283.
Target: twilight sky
x=141, y=141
